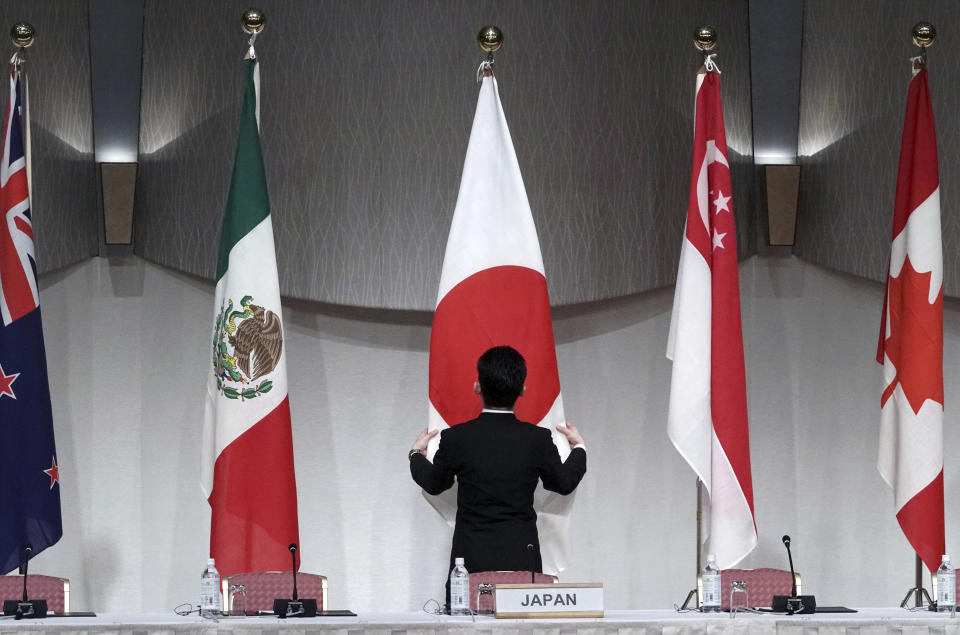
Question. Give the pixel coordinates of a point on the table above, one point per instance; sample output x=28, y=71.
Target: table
x=661, y=622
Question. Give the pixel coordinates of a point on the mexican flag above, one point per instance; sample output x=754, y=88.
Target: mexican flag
x=247, y=471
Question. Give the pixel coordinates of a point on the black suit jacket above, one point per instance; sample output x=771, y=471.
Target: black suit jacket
x=497, y=461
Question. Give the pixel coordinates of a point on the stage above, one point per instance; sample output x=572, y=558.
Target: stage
x=871, y=621
x=364, y=153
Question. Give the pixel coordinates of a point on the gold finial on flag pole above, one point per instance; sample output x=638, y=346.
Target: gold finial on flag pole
x=490, y=39
x=253, y=20
x=923, y=34
x=705, y=38
x=22, y=35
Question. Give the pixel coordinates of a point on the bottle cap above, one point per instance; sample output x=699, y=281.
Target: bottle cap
x=711, y=557
x=209, y=561
x=458, y=561
x=945, y=557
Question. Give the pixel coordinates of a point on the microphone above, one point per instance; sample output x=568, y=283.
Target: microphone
x=27, y=551
x=295, y=607
x=533, y=565
x=25, y=608
x=794, y=603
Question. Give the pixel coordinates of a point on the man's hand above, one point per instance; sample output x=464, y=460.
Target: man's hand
x=570, y=431
x=420, y=445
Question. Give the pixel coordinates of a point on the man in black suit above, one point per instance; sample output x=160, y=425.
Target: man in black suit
x=498, y=460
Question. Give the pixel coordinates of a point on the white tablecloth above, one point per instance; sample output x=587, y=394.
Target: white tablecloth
x=865, y=622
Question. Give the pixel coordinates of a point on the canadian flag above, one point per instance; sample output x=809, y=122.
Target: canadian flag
x=911, y=337
x=707, y=420
x=493, y=292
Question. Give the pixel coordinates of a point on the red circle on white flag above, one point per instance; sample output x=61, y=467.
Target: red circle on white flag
x=506, y=305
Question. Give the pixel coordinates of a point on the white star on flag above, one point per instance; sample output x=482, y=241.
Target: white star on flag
x=718, y=239
x=5, y=382
x=722, y=202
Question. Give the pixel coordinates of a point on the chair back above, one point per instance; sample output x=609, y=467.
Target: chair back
x=762, y=585
x=263, y=587
x=501, y=577
x=56, y=591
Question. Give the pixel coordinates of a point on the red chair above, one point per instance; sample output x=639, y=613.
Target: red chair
x=762, y=585
x=501, y=577
x=56, y=591
x=263, y=587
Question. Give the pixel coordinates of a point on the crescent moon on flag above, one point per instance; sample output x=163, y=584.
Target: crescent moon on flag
x=711, y=154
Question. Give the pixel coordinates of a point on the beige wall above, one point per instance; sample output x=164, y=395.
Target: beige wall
x=127, y=344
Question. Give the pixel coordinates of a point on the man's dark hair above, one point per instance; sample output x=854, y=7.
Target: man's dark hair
x=501, y=372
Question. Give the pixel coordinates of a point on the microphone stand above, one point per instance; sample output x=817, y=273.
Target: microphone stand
x=793, y=575
x=794, y=603
x=25, y=608
x=293, y=567
x=26, y=564
x=295, y=607
x=533, y=575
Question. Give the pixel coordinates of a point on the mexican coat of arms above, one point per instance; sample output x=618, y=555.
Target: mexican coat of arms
x=247, y=342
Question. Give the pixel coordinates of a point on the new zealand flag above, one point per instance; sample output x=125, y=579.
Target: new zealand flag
x=29, y=478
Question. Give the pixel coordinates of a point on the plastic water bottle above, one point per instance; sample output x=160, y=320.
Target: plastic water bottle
x=946, y=587
x=210, y=603
x=710, y=579
x=459, y=589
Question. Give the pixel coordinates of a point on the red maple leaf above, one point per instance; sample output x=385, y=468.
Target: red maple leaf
x=915, y=344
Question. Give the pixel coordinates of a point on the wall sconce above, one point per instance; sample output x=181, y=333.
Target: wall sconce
x=118, y=184
x=781, y=195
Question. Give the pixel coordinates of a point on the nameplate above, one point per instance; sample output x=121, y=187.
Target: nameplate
x=566, y=599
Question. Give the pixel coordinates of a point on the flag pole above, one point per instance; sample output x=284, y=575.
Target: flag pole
x=704, y=39
x=917, y=591
x=694, y=593
x=699, y=532
x=22, y=35
x=923, y=34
